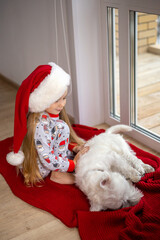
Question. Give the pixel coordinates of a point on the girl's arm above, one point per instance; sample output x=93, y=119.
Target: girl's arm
x=67, y=178
x=46, y=153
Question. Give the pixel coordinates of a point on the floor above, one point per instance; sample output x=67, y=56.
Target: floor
x=148, y=91
x=19, y=220
x=148, y=96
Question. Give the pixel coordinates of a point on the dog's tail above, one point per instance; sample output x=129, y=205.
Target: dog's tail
x=119, y=128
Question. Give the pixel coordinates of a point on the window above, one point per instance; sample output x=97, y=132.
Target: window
x=113, y=47
x=131, y=47
x=145, y=72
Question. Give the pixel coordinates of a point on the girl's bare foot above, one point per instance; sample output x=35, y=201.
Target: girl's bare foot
x=62, y=177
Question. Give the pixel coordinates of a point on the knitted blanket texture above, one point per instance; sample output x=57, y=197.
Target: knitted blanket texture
x=70, y=205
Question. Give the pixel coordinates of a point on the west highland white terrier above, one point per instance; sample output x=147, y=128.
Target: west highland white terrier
x=106, y=172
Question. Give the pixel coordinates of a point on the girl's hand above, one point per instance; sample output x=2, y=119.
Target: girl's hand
x=80, y=153
x=78, y=148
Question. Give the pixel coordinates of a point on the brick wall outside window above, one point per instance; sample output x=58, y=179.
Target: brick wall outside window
x=146, y=31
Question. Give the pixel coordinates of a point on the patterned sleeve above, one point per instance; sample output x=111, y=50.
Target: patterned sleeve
x=46, y=153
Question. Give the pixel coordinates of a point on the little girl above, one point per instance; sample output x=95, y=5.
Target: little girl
x=42, y=131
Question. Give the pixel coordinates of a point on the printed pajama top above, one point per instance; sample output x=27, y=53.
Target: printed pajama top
x=52, y=141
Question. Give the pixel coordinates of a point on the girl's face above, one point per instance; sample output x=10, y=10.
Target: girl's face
x=56, y=107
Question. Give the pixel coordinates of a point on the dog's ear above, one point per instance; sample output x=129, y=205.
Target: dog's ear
x=105, y=181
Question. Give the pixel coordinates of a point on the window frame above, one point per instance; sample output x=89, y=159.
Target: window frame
x=124, y=7
x=112, y=61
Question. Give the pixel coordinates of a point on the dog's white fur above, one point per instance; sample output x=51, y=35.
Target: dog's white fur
x=106, y=172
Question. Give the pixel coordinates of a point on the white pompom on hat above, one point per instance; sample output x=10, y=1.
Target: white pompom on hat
x=44, y=86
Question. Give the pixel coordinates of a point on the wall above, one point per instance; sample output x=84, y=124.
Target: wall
x=87, y=39
x=147, y=31
x=28, y=38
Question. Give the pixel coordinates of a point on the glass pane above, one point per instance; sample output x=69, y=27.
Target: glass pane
x=113, y=47
x=146, y=73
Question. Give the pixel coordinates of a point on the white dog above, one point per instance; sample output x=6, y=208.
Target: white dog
x=106, y=171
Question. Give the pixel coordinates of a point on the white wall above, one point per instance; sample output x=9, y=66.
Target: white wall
x=28, y=39
x=87, y=38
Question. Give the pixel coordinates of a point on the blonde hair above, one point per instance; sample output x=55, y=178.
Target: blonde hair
x=73, y=136
x=31, y=172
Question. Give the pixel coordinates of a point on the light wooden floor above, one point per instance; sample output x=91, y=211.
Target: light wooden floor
x=148, y=96
x=148, y=91
x=19, y=220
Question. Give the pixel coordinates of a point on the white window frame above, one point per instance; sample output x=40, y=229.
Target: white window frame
x=124, y=7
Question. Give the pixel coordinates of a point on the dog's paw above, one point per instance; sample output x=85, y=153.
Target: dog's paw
x=95, y=207
x=141, y=170
x=148, y=168
x=134, y=176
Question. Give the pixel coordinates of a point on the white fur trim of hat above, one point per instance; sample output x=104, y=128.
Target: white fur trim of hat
x=50, y=89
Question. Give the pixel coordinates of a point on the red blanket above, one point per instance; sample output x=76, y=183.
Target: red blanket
x=70, y=205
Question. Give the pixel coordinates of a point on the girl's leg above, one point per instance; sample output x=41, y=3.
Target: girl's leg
x=62, y=177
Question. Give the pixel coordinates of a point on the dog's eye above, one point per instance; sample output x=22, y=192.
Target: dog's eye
x=100, y=170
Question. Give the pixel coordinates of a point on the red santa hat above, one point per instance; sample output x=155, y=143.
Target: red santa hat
x=45, y=85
